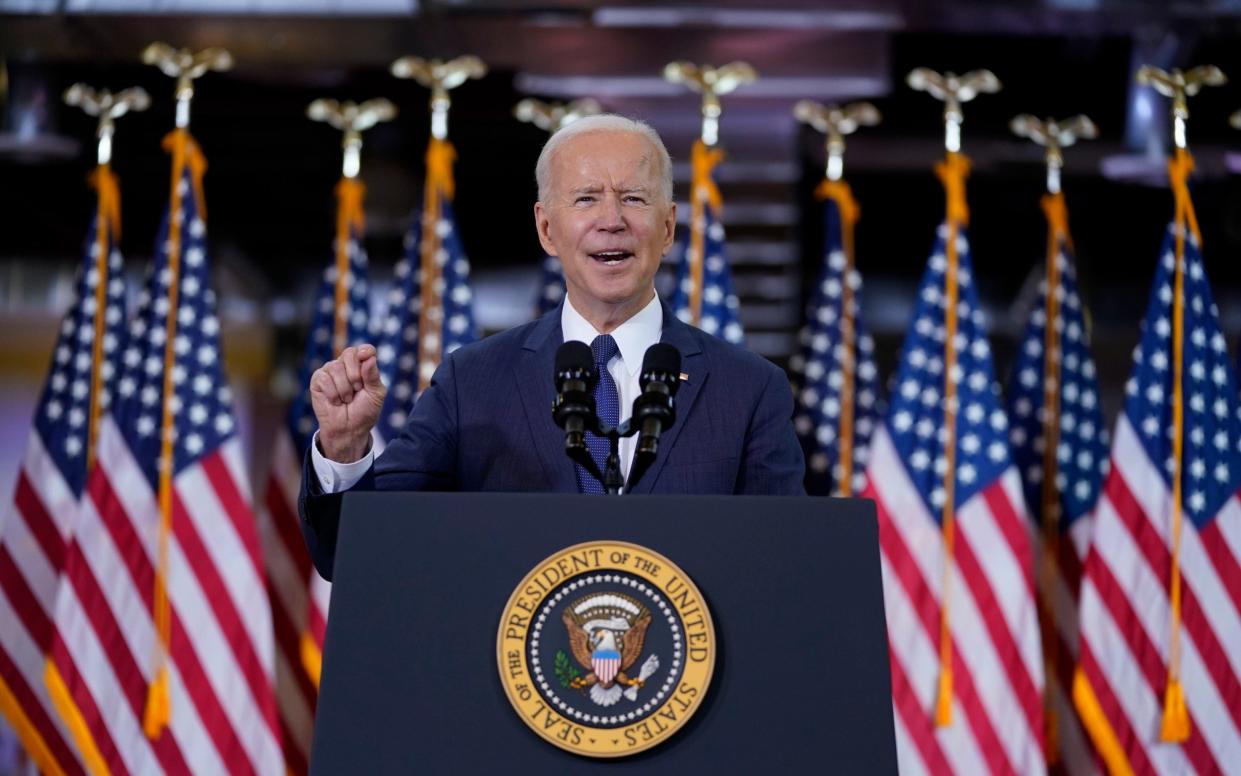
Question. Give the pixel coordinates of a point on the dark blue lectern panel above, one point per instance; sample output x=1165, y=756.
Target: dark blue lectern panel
x=410, y=683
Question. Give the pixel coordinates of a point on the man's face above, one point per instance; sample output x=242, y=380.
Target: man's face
x=607, y=220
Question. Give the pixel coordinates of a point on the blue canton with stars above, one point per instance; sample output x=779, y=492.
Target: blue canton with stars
x=62, y=416
x=916, y=417
x=551, y=285
x=1082, y=452
x=319, y=344
x=202, y=401
x=1212, y=446
x=720, y=307
x=819, y=371
x=398, y=342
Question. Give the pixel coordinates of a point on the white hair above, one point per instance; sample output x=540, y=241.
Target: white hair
x=607, y=122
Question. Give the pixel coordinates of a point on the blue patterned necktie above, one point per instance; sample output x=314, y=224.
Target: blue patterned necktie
x=607, y=405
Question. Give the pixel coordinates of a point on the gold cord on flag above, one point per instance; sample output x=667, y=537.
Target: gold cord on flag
x=1057, y=231
x=185, y=156
x=839, y=192
x=439, y=188
x=1175, y=723
x=107, y=231
x=349, y=195
x=703, y=161
x=952, y=173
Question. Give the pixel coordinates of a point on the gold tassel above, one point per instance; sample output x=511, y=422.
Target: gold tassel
x=1174, y=728
x=943, y=706
x=158, y=711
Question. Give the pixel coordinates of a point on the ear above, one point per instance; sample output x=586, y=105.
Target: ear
x=670, y=226
x=542, y=223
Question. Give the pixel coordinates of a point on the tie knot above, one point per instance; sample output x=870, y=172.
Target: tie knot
x=604, y=347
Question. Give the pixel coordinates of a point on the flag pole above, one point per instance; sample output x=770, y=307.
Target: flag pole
x=440, y=77
x=711, y=83
x=352, y=120
x=953, y=91
x=1054, y=136
x=1180, y=86
x=837, y=122
x=108, y=107
x=186, y=66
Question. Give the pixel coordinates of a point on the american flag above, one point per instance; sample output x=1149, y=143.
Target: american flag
x=993, y=689
x=38, y=524
x=704, y=294
x=837, y=406
x=551, y=285
x=1059, y=445
x=163, y=596
x=1135, y=570
x=426, y=319
x=299, y=596
x=13, y=758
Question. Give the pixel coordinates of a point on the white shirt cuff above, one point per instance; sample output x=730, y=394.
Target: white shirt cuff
x=335, y=477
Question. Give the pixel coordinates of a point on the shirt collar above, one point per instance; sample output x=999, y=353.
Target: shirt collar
x=632, y=337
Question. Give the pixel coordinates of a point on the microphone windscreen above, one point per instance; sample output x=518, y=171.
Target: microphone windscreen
x=664, y=359
x=574, y=356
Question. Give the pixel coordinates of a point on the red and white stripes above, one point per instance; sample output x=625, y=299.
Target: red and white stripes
x=221, y=661
x=1124, y=616
x=996, y=658
x=33, y=535
x=289, y=580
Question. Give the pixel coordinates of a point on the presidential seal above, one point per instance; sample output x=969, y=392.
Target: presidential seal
x=606, y=649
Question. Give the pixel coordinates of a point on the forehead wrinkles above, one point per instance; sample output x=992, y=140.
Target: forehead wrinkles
x=576, y=168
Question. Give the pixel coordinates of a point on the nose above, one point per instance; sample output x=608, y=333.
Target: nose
x=611, y=216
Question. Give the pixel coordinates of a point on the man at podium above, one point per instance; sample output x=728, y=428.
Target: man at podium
x=606, y=210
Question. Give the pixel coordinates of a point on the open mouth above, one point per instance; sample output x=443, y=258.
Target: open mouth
x=611, y=258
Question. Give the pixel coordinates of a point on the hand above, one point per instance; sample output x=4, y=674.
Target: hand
x=347, y=395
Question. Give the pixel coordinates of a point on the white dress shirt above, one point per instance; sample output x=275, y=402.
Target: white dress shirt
x=633, y=337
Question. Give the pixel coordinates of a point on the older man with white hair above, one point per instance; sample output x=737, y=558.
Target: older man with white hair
x=605, y=209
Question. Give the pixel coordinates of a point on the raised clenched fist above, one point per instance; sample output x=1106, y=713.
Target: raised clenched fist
x=347, y=395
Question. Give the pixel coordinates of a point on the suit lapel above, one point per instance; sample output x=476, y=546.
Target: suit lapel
x=694, y=366
x=533, y=371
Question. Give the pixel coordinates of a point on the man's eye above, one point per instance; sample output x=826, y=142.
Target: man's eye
x=636, y=200
x=584, y=199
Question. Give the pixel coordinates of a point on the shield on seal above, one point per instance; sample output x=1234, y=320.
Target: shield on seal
x=605, y=662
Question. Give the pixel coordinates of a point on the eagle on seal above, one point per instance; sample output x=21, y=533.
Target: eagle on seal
x=606, y=634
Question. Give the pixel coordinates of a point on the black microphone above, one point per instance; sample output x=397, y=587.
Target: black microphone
x=653, y=410
x=574, y=408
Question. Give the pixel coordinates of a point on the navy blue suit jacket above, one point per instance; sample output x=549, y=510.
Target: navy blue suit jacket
x=485, y=424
